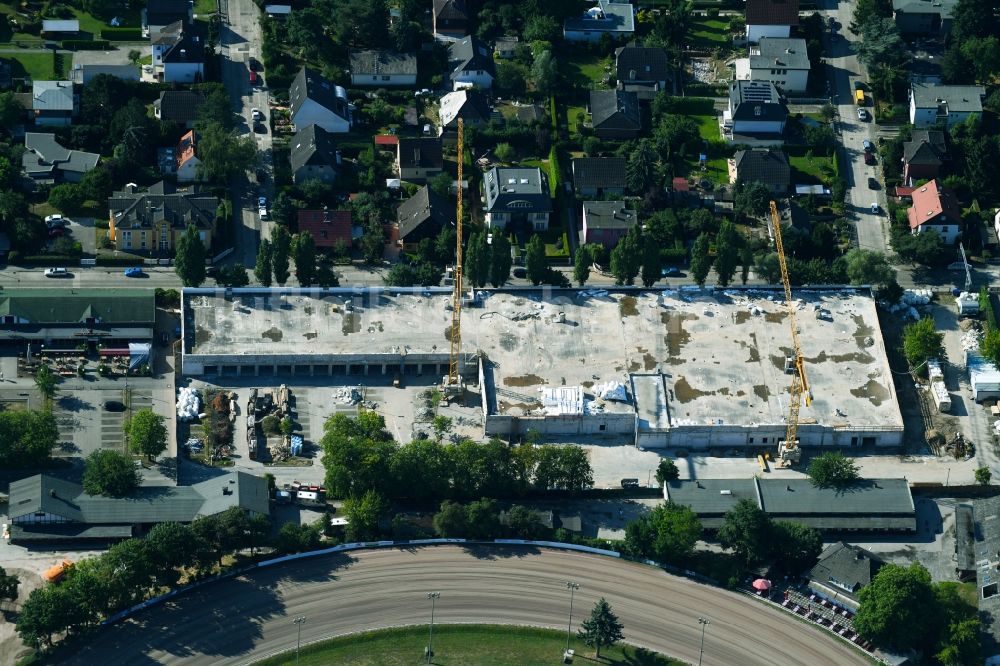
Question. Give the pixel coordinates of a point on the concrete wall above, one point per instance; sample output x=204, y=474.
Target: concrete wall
x=765, y=436
x=574, y=424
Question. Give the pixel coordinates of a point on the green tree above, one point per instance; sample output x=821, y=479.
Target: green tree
x=921, y=342
x=46, y=382
x=897, y=608
x=667, y=470
x=534, y=260
x=869, y=267
x=701, y=262
x=727, y=253
x=363, y=515
x=422, y=469
x=500, y=260
x=832, y=470
x=67, y=198
x=626, y=256
x=983, y=476
x=304, y=253
x=8, y=585
x=640, y=170
x=281, y=242
x=505, y=153
x=224, y=153
x=262, y=269
x=441, y=184
x=172, y=546
x=667, y=534
x=795, y=546
x=545, y=72
x=476, y=263
x=961, y=644
x=880, y=44
x=746, y=529
x=451, y=521
x=752, y=200
x=563, y=467
x=146, y=433
x=676, y=134
x=296, y=538
x=357, y=455
x=232, y=275
x=11, y=111
x=581, y=265
x=602, y=628
x=523, y=523
x=484, y=519
x=651, y=269
x=110, y=473
x=189, y=262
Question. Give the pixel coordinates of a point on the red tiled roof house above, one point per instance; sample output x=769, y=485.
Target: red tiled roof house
x=935, y=209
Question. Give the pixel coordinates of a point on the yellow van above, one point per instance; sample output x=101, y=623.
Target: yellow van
x=859, y=97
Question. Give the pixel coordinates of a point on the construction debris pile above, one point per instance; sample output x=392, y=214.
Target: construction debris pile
x=270, y=409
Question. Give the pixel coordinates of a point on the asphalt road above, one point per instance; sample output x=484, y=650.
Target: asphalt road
x=246, y=619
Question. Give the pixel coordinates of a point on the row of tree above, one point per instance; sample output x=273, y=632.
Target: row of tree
x=360, y=456
x=134, y=570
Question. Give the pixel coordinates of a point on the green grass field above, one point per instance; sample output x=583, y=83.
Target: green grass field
x=38, y=65
x=584, y=71
x=710, y=33
x=463, y=645
x=203, y=7
x=813, y=170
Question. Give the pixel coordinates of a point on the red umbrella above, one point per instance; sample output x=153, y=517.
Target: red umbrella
x=762, y=584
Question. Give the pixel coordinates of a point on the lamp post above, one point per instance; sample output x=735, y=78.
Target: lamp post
x=433, y=596
x=299, y=621
x=704, y=623
x=572, y=587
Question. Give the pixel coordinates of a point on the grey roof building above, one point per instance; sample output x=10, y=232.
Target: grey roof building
x=616, y=19
x=764, y=166
x=371, y=67
x=789, y=53
x=313, y=155
x=931, y=104
x=879, y=505
x=52, y=98
x=313, y=99
x=45, y=159
x=756, y=101
x=643, y=70
x=513, y=188
x=178, y=106
x=419, y=158
x=163, y=202
x=423, y=215
x=842, y=572
x=49, y=509
x=593, y=176
x=924, y=17
x=615, y=114
x=471, y=61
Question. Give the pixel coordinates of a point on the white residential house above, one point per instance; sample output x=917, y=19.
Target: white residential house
x=517, y=197
x=756, y=115
x=771, y=18
x=616, y=19
x=315, y=101
x=935, y=210
x=781, y=61
x=471, y=64
x=178, y=53
x=931, y=104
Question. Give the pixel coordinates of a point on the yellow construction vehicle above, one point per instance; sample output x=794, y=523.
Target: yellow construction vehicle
x=788, y=450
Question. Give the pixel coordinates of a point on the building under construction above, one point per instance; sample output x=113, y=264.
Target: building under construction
x=687, y=368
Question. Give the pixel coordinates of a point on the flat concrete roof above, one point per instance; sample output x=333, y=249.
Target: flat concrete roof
x=722, y=354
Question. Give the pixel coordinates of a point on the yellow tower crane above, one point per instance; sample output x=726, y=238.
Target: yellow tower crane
x=788, y=450
x=454, y=381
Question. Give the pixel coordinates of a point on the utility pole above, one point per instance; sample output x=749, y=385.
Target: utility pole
x=299, y=621
x=704, y=623
x=572, y=587
x=433, y=596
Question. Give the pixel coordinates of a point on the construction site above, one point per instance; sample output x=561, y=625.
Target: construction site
x=689, y=368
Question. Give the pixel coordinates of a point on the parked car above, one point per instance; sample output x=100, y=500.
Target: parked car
x=260, y=128
x=254, y=64
x=114, y=406
x=520, y=272
x=872, y=183
x=56, y=272
x=253, y=78
x=256, y=114
x=56, y=232
x=862, y=114
x=262, y=207
x=54, y=221
x=870, y=159
x=134, y=271
x=867, y=145
x=670, y=271
x=875, y=209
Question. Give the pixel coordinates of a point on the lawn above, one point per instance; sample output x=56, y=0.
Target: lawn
x=812, y=170
x=716, y=170
x=203, y=7
x=91, y=24
x=38, y=65
x=710, y=33
x=585, y=71
x=708, y=127
x=462, y=644
x=571, y=114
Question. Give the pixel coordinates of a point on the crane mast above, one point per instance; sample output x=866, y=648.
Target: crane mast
x=456, y=307
x=788, y=451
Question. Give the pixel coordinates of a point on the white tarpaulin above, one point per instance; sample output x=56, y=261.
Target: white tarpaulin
x=138, y=354
x=611, y=391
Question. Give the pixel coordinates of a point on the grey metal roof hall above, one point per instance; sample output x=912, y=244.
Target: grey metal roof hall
x=783, y=52
x=958, y=99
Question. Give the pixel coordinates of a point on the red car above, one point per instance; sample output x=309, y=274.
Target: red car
x=869, y=158
x=56, y=232
x=253, y=78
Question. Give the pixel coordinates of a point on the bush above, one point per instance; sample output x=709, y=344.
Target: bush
x=85, y=45
x=119, y=261
x=167, y=298
x=121, y=34
x=49, y=260
x=270, y=425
